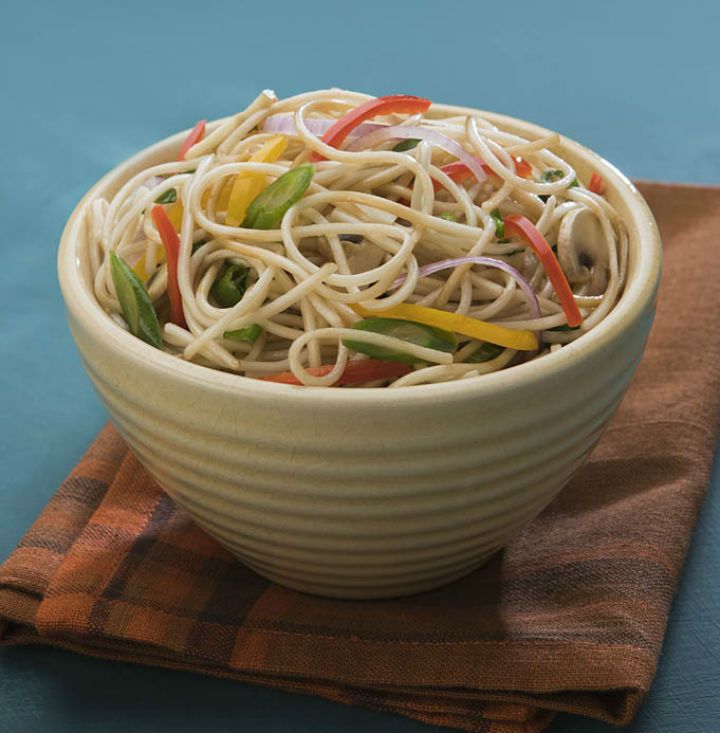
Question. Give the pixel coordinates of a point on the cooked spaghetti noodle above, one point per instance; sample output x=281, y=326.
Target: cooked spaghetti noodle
x=431, y=242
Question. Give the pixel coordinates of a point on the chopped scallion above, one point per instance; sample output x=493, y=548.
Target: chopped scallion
x=268, y=208
x=484, y=352
x=137, y=308
x=405, y=145
x=230, y=285
x=249, y=333
x=415, y=333
x=169, y=197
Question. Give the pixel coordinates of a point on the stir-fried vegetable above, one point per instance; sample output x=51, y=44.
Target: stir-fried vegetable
x=522, y=167
x=351, y=238
x=474, y=165
x=137, y=309
x=499, y=223
x=285, y=123
x=394, y=104
x=195, y=136
x=175, y=214
x=448, y=216
x=268, y=208
x=484, y=352
x=415, y=333
x=230, y=285
x=236, y=196
x=526, y=230
x=460, y=171
x=250, y=333
x=140, y=269
x=356, y=372
x=169, y=197
x=248, y=185
x=404, y=145
x=563, y=328
x=597, y=184
x=171, y=242
x=555, y=174
x=523, y=284
x=455, y=323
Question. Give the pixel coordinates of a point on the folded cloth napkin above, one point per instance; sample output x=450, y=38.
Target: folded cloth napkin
x=569, y=617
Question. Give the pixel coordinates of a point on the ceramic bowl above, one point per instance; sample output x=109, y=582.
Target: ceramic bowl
x=365, y=493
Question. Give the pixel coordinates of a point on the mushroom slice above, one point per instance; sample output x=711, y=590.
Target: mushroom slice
x=582, y=250
x=366, y=256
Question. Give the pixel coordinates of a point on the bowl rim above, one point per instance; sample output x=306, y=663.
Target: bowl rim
x=639, y=294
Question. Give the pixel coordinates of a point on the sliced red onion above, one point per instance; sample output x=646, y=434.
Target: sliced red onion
x=286, y=123
x=525, y=286
x=437, y=139
x=152, y=182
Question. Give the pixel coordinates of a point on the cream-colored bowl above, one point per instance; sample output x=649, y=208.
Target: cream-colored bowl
x=365, y=493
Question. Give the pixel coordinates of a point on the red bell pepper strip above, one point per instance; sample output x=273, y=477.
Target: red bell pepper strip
x=524, y=228
x=395, y=103
x=171, y=242
x=458, y=171
x=356, y=372
x=195, y=136
x=597, y=184
x=522, y=167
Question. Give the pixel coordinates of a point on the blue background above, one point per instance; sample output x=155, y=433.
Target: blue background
x=85, y=84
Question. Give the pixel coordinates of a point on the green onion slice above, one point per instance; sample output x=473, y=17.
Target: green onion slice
x=499, y=223
x=484, y=352
x=268, y=208
x=552, y=175
x=448, y=216
x=405, y=145
x=137, y=308
x=169, y=197
x=230, y=285
x=414, y=333
x=250, y=333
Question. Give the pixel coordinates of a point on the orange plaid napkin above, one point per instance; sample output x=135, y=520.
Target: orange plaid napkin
x=569, y=617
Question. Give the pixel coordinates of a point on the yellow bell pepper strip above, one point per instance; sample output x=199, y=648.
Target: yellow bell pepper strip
x=520, y=226
x=140, y=270
x=223, y=198
x=511, y=338
x=175, y=214
x=248, y=185
x=171, y=242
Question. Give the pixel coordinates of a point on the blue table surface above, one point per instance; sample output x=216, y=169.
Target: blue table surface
x=85, y=84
